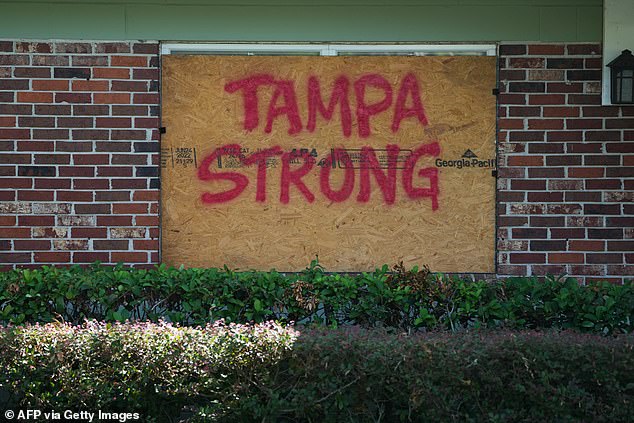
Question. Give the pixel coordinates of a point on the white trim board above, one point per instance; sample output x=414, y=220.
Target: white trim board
x=329, y=49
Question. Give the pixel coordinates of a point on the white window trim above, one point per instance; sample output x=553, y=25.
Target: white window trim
x=329, y=49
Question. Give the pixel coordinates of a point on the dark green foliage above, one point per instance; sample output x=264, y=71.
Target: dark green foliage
x=268, y=373
x=408, y=300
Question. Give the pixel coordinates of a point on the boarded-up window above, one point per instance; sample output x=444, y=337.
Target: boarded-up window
x=269, y=161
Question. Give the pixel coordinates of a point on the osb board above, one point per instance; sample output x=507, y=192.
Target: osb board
x=201, y=116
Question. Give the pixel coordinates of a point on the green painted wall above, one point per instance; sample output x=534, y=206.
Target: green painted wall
x=304, y=20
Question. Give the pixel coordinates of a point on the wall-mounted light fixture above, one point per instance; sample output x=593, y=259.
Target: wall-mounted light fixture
x=622, y=78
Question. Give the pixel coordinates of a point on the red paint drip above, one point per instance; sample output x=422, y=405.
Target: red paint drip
x=348, y=182
x=290, y=109
x=295, y=176
x=260, y=158
x=250, y=96
x=364, y=111
x=339, y=95
x=386, y=181
x=432, y=149
x=205, y=174
x=408, y=86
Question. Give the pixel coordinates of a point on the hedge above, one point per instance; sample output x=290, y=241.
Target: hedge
x=409, y=300
x=271, y=373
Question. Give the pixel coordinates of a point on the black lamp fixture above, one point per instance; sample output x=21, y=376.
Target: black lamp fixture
x=622, y=78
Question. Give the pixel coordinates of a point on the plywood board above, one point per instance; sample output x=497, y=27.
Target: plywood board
x=404, y=173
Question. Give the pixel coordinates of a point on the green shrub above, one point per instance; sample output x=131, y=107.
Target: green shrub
x=409, y=300
x=268, y=373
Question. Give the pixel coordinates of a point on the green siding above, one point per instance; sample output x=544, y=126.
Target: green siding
x=304, y=20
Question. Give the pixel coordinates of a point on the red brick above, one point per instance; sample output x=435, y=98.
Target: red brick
x=92, y=85
x=576, y=258
x=91, y=184
x=582, y=196
x=129, y=257
x=512, y=99
x=52, y=159
x=525, y=161
x=129, y=183
x=52, y=183
x=584, y=49
x=92, y=208
x=564, y=87
x=121, y=171
x=545, y=197
x=549, y=245
x=146, y=99
x=147, y=220
x=584, y=123
x=15, y=134
x=111, y=73
x=552, y=148
x=526, y=62
x=546, y=99
x=50, y=85
x=15, y=183
x=138, y=86
x=111, y=122
x=112, y=196
x=114, y=220
x=146, y=244
x=603, y=184
x=7, y=121
x=33, y=195
x=35, y=97
x=145, y=48
x=511, y=123
x=564, y=136
x=624, y=246
x=32, y=244
x=130, y=208
x=52, y=257
x=527, y=258
x=546, y=124
x=90, y=159
x=561, y=111
x=30, y=220
x=111, y=244
x=146, y=195
x=15, y=257
x=7, y=232
x=112, y=98
x=7, y=220
x=83, y=232
x=74, y=196
x=149, y=123
x=529, y=233
x=547, y=221
x=604, y=258
x=89, y=257
x=582, y=245
x=567, y=233
x=546, y=49
x=129, y=61
x=563, y=160
x=75, y=122
x=145, y=73
x=528, y=184
x=584, y=148
x=72, y=98
x=90, y=134
x=584, y=99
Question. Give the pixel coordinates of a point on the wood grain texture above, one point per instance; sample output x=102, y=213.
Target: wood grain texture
x=201, y=116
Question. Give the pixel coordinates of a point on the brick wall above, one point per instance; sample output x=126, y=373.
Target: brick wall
x=78, y=152
x=566, y=166
x=79, y=159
